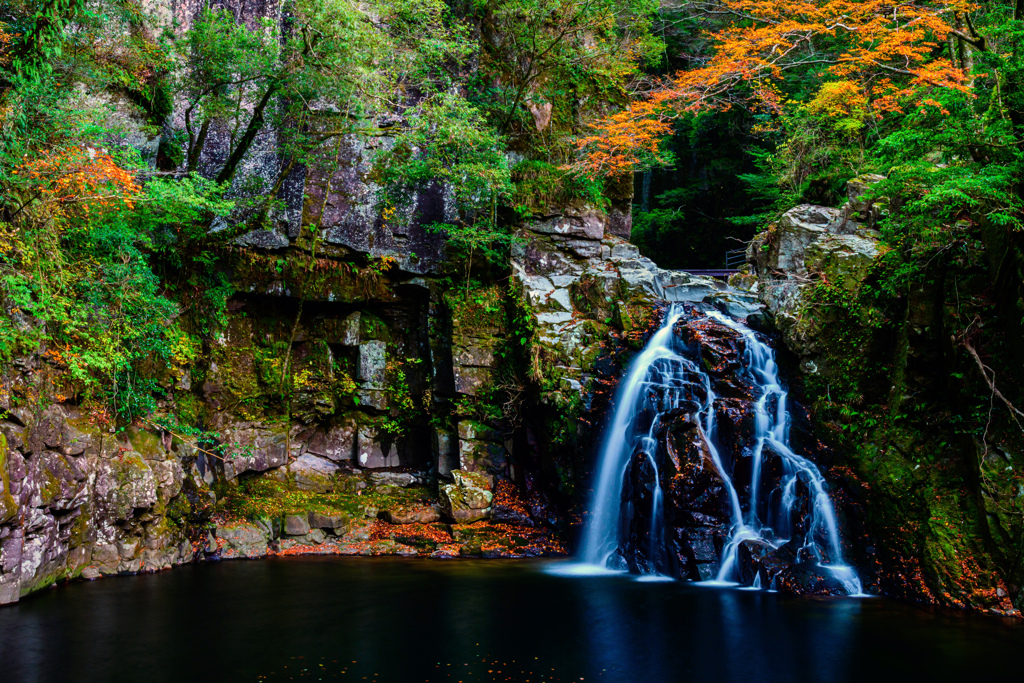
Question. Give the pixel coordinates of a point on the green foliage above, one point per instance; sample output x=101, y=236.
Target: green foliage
x=548, y=59
x=540, y=187
x=92, y=295
x=403, y=409
x=447, y=142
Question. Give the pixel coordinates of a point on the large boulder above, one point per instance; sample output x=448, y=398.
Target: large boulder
x=241, y=540
x=810, y=245
x=313, y=473
x=468, y=498
x=124, y=484
x=411, y=514
x=255, y=447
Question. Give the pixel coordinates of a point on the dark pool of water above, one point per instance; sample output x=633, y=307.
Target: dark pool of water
x=380, y=619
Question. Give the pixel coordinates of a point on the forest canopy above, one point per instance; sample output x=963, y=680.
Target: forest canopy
x=114, y=248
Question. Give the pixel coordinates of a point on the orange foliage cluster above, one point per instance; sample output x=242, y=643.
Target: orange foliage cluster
x=506, y=496
x=80, y=176
x=512, y=538
x=871, y=42
x=435, y=533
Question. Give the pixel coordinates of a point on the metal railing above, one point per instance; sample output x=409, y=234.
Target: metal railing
x=735, y=258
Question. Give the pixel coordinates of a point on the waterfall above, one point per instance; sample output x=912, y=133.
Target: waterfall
x=767, y=522
x=653, y=383
x=662, y=378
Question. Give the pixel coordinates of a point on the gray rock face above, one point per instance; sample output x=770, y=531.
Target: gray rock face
x=352, y=217
x=736, y=304
x=372, y=363
x=447, y=459
x=411, y=514
x=337, y=444
x=335, y=524
x=468, y=498
x=76, y=502
x=124, y=484
x=399, y=479
x=242, y=540
x=296, y=525
x=349, y=334
x=810, y=243
x=373, y=451
x=799, y=228
x=255, y=447
x=312, y=473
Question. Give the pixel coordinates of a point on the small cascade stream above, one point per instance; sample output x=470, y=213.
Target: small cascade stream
x=784, y=509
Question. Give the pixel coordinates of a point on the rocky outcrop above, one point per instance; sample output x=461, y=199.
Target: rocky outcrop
x=810, y=245
x=468, y=498
x=79, y=501
x=885, y=336
x=582, y=283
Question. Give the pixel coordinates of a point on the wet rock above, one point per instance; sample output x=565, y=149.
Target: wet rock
x=808, y=579
x=736, y=304
x=105, y=558
x=749, y=556
x=677, y=285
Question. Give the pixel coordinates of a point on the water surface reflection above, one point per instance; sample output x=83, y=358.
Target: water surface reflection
x=379, y=619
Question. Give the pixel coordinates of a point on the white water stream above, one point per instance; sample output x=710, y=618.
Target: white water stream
x=661, y=378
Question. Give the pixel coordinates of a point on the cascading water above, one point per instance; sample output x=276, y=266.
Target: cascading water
x=654, y=383
x=771, y=521
x=663, y=380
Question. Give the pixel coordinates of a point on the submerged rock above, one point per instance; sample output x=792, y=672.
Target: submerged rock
x=809, y=579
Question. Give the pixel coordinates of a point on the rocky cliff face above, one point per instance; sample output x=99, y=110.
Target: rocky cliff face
x=884, y=368
x=431, y=415
x=389, y=430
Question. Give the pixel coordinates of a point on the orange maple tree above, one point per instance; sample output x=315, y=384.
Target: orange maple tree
x=81, y=176
x=887, y=48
